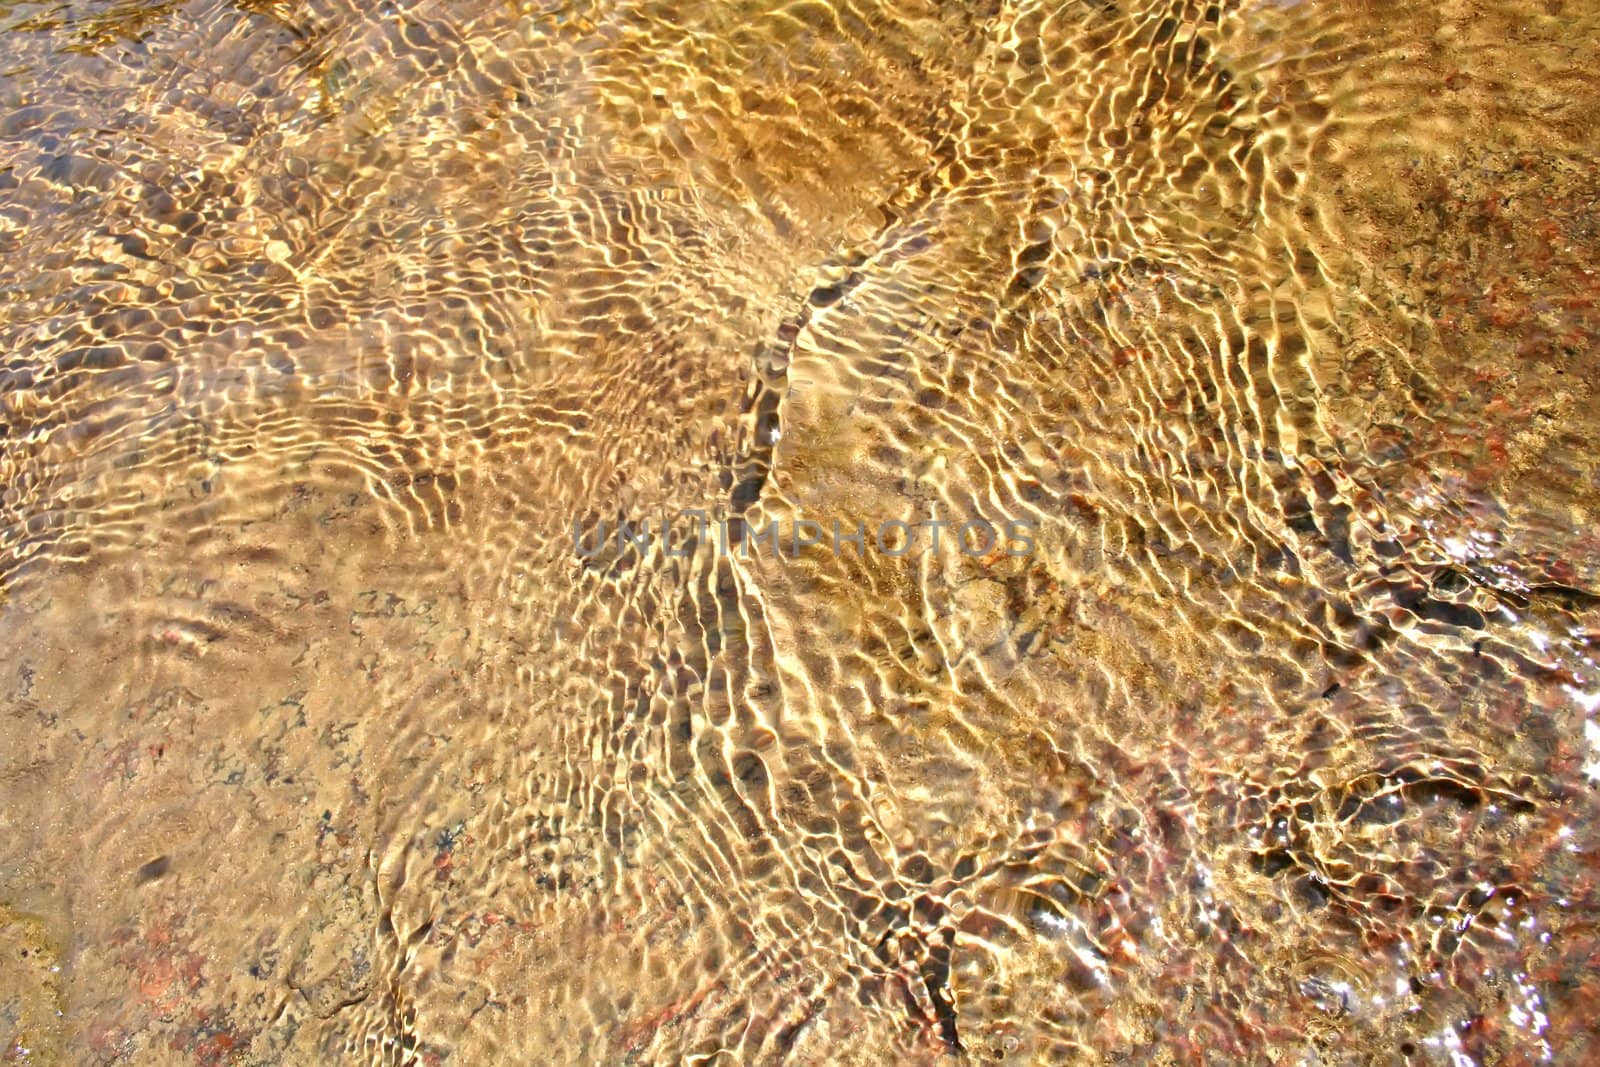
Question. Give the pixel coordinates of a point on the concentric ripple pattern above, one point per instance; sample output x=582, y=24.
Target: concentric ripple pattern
x=338, y=723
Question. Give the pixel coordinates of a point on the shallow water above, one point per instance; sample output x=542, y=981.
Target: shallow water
x=337, y=724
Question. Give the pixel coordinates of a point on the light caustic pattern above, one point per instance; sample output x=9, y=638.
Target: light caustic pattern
x=324, y=325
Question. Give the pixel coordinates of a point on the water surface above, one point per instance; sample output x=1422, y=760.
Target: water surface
x=324, y=326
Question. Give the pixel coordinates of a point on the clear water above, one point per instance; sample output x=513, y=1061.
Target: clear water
x=337, y=725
